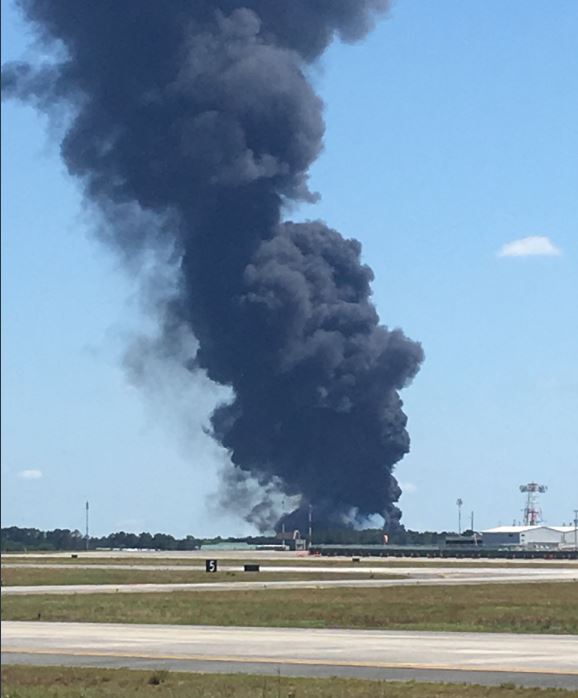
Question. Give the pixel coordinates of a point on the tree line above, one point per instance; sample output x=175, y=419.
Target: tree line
x=15, y=539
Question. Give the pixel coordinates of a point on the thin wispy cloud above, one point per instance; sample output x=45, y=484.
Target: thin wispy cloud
x=532, y=246
x=408, y=487
x=130, y=525
x=32, y=474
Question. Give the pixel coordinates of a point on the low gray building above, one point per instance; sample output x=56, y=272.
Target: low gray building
x=525, y=536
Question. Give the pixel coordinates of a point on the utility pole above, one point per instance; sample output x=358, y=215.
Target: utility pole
x=86, y=535
x=310, y=524
x=459, y=502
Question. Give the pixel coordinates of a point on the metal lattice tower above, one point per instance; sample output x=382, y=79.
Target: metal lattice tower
x=532, y=512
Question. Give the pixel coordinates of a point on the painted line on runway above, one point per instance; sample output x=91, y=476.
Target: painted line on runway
x=283, y=660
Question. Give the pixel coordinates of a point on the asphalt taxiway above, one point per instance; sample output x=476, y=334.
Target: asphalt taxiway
x=487, y=658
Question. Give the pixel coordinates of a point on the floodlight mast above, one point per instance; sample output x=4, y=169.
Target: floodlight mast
x=460, y=502
x=532, y=512
x=86, y=536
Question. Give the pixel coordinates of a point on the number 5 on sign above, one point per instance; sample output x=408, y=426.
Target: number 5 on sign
x=210, y=565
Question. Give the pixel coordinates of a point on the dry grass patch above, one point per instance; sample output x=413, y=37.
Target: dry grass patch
x=57, y=682
x=37, y=576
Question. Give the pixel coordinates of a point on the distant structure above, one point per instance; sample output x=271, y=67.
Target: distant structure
x=459, y=504
x=530, y=537
x=532, y=512
x=86, y=536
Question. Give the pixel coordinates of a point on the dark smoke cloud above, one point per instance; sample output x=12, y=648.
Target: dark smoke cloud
x=193, y=122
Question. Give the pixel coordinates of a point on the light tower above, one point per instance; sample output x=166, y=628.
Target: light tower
x=532, y=512
x=459, y=503
x=86, y=537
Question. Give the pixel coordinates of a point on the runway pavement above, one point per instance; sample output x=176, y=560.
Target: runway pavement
x=383, y=568
x=406, y=576
x=543, y=660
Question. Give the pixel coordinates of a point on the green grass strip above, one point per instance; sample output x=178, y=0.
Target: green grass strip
x=523, y=608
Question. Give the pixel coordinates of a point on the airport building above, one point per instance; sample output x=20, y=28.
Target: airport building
x=538, y=536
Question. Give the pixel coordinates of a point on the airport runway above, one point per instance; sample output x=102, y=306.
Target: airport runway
x=545, y=573
x=406, y=576
x=536, y=660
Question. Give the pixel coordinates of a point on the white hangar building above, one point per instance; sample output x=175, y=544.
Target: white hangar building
x=530, y=536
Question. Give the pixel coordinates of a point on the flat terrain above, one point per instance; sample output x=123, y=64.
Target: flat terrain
x=58, y=682
x=522, y=608
x=102, y=577
x=466, y=654
x=43, y=575
x=312, y=565
x=196, y=558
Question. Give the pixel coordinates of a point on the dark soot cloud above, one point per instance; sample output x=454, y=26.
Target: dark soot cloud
x=200, y=113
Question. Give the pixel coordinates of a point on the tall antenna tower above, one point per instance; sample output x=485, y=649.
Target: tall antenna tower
x=86, y=536
x=459, y=503
x=532, y=512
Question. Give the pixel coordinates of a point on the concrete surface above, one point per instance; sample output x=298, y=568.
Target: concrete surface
x=411, y=576
x=541, y=660
x=409, y=570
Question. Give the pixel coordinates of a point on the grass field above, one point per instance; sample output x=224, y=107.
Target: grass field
x=311, y=561
x=56, y=682
x=524, y=608
x=37, y=576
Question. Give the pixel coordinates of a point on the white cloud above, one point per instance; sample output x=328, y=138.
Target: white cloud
x=31, y=474
x=408, y=487
x=533, y=246
x=130, y=525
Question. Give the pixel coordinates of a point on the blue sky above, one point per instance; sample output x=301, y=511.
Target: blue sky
x=451, y=133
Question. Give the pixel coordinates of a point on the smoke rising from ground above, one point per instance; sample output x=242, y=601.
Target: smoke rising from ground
x=192, y=126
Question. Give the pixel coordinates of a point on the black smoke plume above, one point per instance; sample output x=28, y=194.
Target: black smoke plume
x=194, y=121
